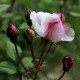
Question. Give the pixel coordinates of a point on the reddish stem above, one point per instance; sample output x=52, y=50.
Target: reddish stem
x=42, y=53
x=32, y=52
x=46, y=55
x=22, y=62
x=62, y=76
x=40, y=60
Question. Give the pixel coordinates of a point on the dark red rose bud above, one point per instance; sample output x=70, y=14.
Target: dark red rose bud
x=67, y=63
x=27, y=17
x=12, y=33
x=29, y=35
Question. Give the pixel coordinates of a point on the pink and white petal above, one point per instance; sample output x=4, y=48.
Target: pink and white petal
x=69, y=33
x=61, y=16
x=56, y=32
x=39, y=16
x=36, y=21
x=47, y=18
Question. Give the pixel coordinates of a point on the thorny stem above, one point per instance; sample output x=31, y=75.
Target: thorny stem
x=45, y=57
x=42, y=53
x=62, y=76
x=19, y=75
x=22, y=62
x=40, y=60
x=46, y=54
x=32, y=52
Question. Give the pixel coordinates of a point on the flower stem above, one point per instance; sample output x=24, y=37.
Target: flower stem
x=32, y=52
x=62, y=76
x=40, y=60
x=22, y=62
x=42, y=53
x=46, y=55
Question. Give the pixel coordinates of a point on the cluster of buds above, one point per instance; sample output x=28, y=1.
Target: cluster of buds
x=67, y=63
x=12, y=33
x=28, y=34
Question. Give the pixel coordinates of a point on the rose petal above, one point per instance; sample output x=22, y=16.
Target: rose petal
x=56, y=32
x=69, y=33
x=36, y=21
x=47, y=18
x=40, y=21
x=61, y=16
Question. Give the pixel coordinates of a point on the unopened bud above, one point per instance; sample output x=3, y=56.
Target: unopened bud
x=27, y=17
x=29, y=35
x=67, y=63
x=12, y=33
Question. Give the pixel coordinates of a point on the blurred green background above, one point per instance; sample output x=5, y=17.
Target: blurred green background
x=13, y=11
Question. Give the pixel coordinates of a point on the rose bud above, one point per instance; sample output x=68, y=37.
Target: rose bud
x=27, y=17
x=12, y=33
x=67, y=63
x=28, y=35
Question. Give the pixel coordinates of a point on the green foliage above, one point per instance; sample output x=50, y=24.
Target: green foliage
x=7, y=67
x=23, y=26
x=3, y=7
x=25, y=2
x=8, y=15
x=12, y=77
x=75, y=14
x=24, y=78
x=10, y=50
x=3, y=1
x=27, y=61
x=17, y=17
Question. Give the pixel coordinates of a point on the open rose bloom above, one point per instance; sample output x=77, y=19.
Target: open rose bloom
x=51, y=26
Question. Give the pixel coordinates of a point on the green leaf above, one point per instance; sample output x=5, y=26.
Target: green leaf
x=75, y=14
x=23, y=26
x=7, y=67
x=3, y=1
x=24, y=78
x=18, y=17
x=3, y=7
x=27, y=61
x=48, y=1
x=8, y=15
x=11, y=52
x=12, y=77
x=62, y=51
x=25, y=2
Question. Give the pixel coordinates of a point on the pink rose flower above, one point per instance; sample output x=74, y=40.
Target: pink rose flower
x=51, y=26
